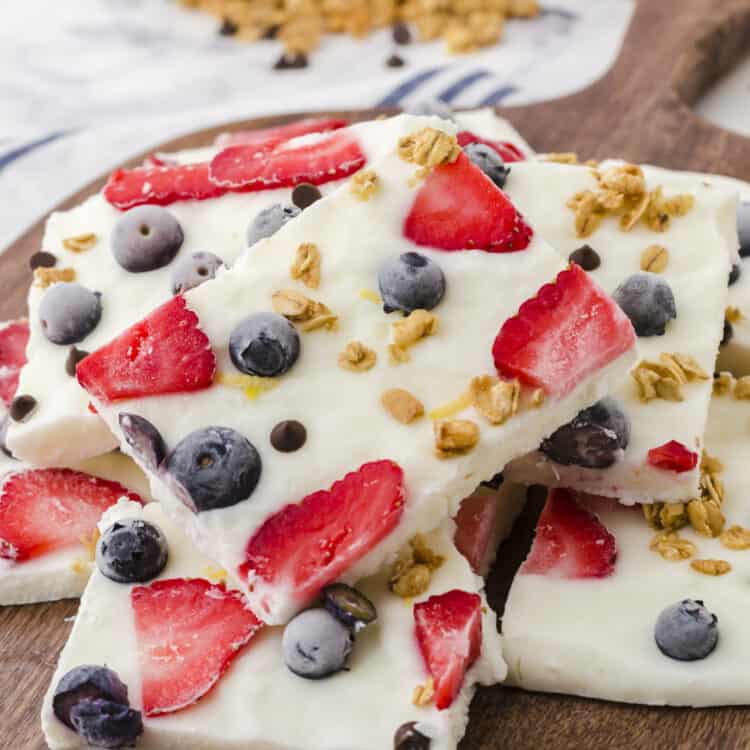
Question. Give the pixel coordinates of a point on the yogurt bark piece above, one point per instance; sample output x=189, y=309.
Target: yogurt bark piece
x=361, y=707
x=645, y=444
x=595, y=636
x=342, y=398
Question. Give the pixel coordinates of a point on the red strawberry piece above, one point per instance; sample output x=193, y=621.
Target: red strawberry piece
x=13, y=339
x=459, y=208
x=238, y=167
x=673, y=456
x=188, y=631
x=165, y=353
x=154, y=160
x=570, y=541
x=570, y=330
x=160, y=186
x=449, y=633
x=43, y=510
x=269, y=138
x=475, y=527
x=303, y=547
x=505, y=149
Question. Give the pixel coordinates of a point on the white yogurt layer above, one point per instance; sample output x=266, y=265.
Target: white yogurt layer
x=259, y=703
x=700, y=245
x=596, y=637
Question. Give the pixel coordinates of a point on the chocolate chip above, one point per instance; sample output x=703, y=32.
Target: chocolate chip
x=75, y=355
x=586, y=257
x=401, y=33
x=291, y=61
x=288, y=436
x=228, y=27
x=21, y=407
x=305, y=195
x=395, y=61
x=271, y=32
x=408, y=737
x=495, y=482
x=726, y=337
x=42, y=260
x=734, y=274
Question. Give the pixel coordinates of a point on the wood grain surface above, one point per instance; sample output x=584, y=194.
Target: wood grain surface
x=673, y=51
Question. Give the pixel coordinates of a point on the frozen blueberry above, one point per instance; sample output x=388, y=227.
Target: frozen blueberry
x=408, y=737
x=132, y=551
x=349, y=606
x=489, y=161
x=105, y=724
x=264, y=344
x=87, y=681
x=743, y=227
x=411, y=282
x=143, y=438
x=214, y=467
x=316, y=644
x=269, y=221
x=735, y=273
x=193, y=270
x=69, y=312
x=648, y=301
x=146, y=238
x=592, y=439
x=686, y=631
x=431, y=108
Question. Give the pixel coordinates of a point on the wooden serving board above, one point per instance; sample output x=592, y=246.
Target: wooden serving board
x=674, y=50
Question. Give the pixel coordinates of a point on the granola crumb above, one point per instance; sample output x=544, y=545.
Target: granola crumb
x=735, y=537
x=654, y=258
x=429, y=148
x=671, y=546
x=44, y=277
x=450, y=409
x=724, y=383
x=306, y=266
x=357, y=357
x=455, y=437
x=412, y=572
x=371, y=296
x=496, y=400
x=733, y=314
x=309, y=314
x=742, y=388
x=402, y=405
x=423, y=695
x=418, y=325
x=251, y=385
x=711, y=567
x=80, y=243
x=365, y=184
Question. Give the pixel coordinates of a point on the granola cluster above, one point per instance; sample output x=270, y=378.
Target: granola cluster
x=413, y=569
x=665, y=379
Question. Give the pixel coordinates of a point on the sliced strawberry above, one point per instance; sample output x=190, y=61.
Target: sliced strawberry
x=269, y=138
x=570, y=541
x=459, y=208
x=43, y=510
x=570, y=330
x=13, y=339
x=188, y=631
x=160, y=186
x=164, y=353
x=305, y=546
x=238, y=167
x=449, y=633
x=505, y=149
x=475, y=527
x=673, y=456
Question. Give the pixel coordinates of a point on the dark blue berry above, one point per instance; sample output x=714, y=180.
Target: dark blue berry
x=145, y=440
x=686, y=631
x=593, y=439
x=86, y=681
x=316, y=644
x=408, y=737
x=215, y=467
x=411, y=282
x=269, y=221
x=132, y=551
x=349, y=606
x=735, y=273
x=648, y=301
x=489, y=161
x=264, y=344
x=743, y=227
x=192, y=270
x=146, y=238
x=69, y=312
x=102, y=723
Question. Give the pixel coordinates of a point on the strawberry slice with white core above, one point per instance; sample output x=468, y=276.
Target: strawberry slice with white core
x=188, y=632
x=306, y=546
x=475, y=526
x=570, y=330
x=504, y=149
x=13, y=339
x=332, y=158
x=459, y=208
x=269, y=138
x=43, y=510
x=166, y=352
x=570, y=542
x=449, y=632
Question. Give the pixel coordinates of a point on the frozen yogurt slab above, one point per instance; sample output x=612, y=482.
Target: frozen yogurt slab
x=249, y=705
x=377, y=406
x=595, y=636
x=667, y=261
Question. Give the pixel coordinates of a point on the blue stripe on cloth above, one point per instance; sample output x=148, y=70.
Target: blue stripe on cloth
x=496, y=96
x=409, y=86
x=27, y=148
x=462, y=84
x=561, y=12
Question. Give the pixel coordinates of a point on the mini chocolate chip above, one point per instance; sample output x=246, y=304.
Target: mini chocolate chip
x=728, y=333
x=408, y=737
x=586, y=257
x=42, y=260
x=291, y=62
x=401, y=33
x=288, y=436
x=21, y=407
x=395, y=61
x=495, y=482
x=228, y=27
x=271, y=32
x=734, y=274
x=305, y=195
x=75, y=355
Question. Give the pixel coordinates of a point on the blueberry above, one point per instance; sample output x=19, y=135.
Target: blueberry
x=143, y=438
x=316, y=644
x=686, y=631
x=411, y=282
x=131, y=551
x=489, y=161
x=215, y=467
x=743, y=227
x=648, y=301
x=69, y=312
x=349, y=606
x=269, y=221
x=146, y=238
x=264, y=344
x=408, y=737
x=105, y=724
x=735, y=273
x=86, y=681
x=592, y=439
x=193, y=270
x=431, y=108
